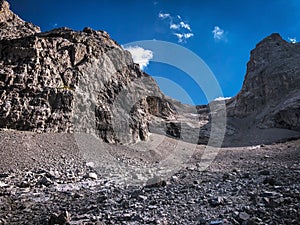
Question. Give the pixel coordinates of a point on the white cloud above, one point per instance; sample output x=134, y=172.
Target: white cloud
x=179, y=36
x=183, y=37
x=185, y=25
x=293, y=40
x=164, y=15
x=140, y=56
x=188, y=35
x=218, y=33
x=174, y=26
x=222, y=98
x=53, y=25
x=184, y=30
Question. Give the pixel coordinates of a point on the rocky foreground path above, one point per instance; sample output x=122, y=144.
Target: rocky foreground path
x=244, y=185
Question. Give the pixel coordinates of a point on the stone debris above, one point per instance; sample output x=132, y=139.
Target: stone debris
x=63, y=218
x=232, y=194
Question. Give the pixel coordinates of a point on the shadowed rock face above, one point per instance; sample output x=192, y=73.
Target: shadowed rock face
x=271, y=89
x=65, y=81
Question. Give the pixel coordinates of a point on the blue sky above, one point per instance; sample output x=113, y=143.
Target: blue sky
x=221, y=32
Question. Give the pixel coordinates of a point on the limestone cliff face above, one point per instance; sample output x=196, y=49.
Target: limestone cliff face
x=271, y=89
x=66, y=81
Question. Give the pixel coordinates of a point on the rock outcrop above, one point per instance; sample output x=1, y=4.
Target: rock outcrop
x=68, y=81
x=271, y=89
x=12, y=26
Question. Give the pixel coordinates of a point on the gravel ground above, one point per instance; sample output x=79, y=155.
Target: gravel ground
x=44, y=179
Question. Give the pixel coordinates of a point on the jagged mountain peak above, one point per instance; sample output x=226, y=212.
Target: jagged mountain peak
x=272, y=42
x=270, y=91
x=5, y=12
x=270, y=49
x=4, y=5
x=45, y=79
x=12, y=26
x=274, y=37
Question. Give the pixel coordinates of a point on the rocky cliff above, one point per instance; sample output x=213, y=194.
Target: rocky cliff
x=271, y=89
x=66, y=81
x=12, y=26
x=83, y=81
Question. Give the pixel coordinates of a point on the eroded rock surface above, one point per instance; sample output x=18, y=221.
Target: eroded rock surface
x=12, y=26
x=66, y=81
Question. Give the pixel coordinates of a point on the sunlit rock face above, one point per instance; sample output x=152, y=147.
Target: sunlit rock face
x=66, y=81
x=11, y=26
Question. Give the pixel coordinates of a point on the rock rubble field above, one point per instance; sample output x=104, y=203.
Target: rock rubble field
x=243, y=185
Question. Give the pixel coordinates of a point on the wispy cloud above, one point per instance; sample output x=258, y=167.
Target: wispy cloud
x=183, y=37
x=174, y=26
x=140, y=56
x=293, y=40
x=164, y=15
x=183, y=29
x=53, y=25
x=185, y=25
x=219, y=34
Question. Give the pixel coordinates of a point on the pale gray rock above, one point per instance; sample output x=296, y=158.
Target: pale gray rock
x=93, y=176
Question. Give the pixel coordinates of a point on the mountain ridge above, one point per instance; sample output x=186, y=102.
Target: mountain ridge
x=40, y=73
x=83, y=81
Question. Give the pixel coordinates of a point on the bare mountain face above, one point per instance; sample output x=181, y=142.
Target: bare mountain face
x=12, y=26
x=66, y=81
x=83, y=81
x=271, y=90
